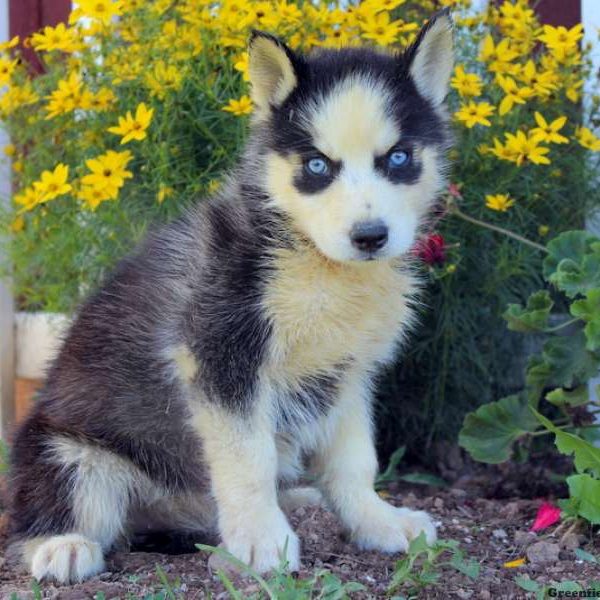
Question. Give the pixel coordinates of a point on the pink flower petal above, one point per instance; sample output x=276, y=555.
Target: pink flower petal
x=454, y=190
x=547, y=515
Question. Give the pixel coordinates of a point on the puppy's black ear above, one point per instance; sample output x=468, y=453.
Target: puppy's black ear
x=431, y=57
x=272, y=70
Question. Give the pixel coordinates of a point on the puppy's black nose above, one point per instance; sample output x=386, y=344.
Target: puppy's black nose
x=369, y=236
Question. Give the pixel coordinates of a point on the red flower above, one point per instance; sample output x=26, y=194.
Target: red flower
x=454, y=191
x=547, y=515
x=431, y=249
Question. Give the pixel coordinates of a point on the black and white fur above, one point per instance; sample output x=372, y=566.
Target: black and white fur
x=237, y=347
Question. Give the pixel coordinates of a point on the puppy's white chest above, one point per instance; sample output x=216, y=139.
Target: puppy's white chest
x=326, y=314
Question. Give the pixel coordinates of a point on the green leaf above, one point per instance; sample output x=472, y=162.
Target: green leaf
x=567, y=586
x=588, y=309
x=586, y=457
x=573, y=262
x=533, y=317
x=424, y=479
x=390, y=473
x=489, y=432
x=587, y=556
x=585, y=493
x=561, y=397
x=529, y=585
x=418, y=545
x=470, y=568
x=568, y=360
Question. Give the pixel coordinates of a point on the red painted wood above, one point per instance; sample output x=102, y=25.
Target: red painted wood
x=559, y=12
x=28, y=16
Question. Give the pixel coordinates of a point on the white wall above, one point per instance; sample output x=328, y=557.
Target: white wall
x=6, y=303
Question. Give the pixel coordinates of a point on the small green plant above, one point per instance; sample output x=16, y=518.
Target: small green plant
x=322, y=585
x=391, y=475
x=570, y=356
x=420, y=568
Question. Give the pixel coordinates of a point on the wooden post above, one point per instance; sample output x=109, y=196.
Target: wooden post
x=27, y=16
x=559, y=12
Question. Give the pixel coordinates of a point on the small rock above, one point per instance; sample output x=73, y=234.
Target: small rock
x=510, y=510
x=485, y=595
x=570, y=541
x=524, y=538
x=500, y=534
x=458, y=493
x=438, y=503
x=410, y=500
x=464, y=594
x=543, y=553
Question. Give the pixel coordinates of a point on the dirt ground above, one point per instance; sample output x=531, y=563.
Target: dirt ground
x=491, y=531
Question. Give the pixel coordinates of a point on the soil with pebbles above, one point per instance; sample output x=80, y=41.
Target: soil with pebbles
x=490, y=531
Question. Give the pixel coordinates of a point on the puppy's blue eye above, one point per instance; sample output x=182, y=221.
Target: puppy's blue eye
x=398, y=158
x=317, y=166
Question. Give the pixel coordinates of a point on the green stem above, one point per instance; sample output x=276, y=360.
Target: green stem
x=455, y=211
x=559, y=327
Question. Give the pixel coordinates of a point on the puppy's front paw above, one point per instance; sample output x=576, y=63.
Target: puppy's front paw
x=265, y=543
x=67, y=559
x=391, y=529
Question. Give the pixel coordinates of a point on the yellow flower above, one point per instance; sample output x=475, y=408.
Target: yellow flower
x=164, y=78
x=467, y=84
x=549, y=132
x=499, y=202
x=562, y=41
x=108, y=172
x=241, y=65
x=10, y=150
x=498, y=56
x=93, y=196
x=512, y=564
x=66, y=98
x=526, y=148
x=18, y=224
x=12, y=43
x=16, y=97
x=543, y=230
x=101, y=10
x=27, y=199
x=164, y=191
x=102, y=100
x=541, y=82
x=587, y=139
x=7, y=68
x=475, y=113
x=514, y=94
x=53, y=183
x=134, y=128
x=380, y=29
x=58, y=38
x=240, y=107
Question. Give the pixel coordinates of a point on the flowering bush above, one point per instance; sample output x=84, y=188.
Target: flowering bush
x=142, y=105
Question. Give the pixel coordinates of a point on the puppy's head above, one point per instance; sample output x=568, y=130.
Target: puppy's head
x=355, y=139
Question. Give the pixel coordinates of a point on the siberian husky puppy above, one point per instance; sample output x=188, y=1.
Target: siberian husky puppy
x=238, y=345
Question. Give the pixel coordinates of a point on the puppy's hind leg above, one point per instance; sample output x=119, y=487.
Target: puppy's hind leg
x=66, y=515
